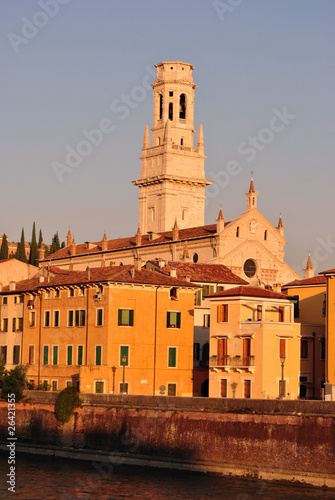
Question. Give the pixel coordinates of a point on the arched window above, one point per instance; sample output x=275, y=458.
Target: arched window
x=170, y=111
x=181, y=141
x=237, y=231
x=182, y=106
x=160, y=106
x=265, y=234
x=195, y=257
x=158, y=141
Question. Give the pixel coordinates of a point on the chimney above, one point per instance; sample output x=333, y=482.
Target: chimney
x=68, y=238
x=173, y=273
x=41, y=279
x=112, y=263
x=12, y=286
x=73, y=247
x=104, y=243
x=132, y=272
x=161, y=263
x=187, y=277
x=138, y=263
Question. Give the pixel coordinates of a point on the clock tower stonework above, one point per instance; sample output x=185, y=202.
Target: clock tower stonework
x=172, y=183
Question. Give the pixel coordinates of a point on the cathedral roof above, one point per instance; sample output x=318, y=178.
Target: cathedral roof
x=130, y=242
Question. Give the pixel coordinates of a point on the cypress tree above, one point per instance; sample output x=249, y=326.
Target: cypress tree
x=33, y=255
x=55, y=244
x=21, y=251
x=4, y=248
x=40, y=239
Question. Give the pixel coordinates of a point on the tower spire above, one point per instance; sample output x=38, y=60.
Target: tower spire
x=251, y=194
x=309, y=269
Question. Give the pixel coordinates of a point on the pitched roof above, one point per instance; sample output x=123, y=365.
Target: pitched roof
x=125, y=243
x=118, y=274
x=317, y=280
x=330, y=271
x=206, y=273
x=249, y=291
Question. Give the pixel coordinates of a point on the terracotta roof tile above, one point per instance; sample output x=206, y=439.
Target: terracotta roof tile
x=330, y=271
x=249, y=291
x=206, y=273
x=317, y=280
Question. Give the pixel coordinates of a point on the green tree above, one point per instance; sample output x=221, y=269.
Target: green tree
x=4, y=248
x=33, y=255
x=40, y=239
x=13, y=381
x=55, y=244
x=21, y=250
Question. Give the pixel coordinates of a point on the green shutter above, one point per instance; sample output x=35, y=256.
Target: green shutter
x=55, y=355
x=120, y=317
x=83, y=317
x=77, y=318
x=211, y=289
x=203, y=291
x=168, y=320
x=131, y=317
x=16, y=354
x=199, y=298
x=70, y=320
x=98, y=355
x=124, y=352
x=80, y=355
x=45, y=354
x=178, y=319
x=99, y=319
x=69, y=355
x=172, y=357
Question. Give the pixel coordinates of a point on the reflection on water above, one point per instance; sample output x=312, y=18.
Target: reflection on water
x=64, y=479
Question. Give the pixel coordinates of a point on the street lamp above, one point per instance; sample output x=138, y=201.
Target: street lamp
x=113, y=371
x=124, y=361
x=282, y=360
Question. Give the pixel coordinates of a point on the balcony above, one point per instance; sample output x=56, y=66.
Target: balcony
x=235, y=363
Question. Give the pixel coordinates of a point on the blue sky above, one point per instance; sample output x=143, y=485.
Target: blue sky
x=253, y=59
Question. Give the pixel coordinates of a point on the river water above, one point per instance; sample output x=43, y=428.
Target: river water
x=64, y=479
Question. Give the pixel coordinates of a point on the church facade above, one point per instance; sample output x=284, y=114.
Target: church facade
x=172, y=203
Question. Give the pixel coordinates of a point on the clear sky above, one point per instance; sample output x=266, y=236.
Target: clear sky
x=66, y=62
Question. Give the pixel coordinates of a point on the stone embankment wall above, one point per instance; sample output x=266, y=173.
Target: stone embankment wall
x=271, y=439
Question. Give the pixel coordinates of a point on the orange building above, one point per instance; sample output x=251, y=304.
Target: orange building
x=254, y=345
x=330, y=334
x=107, y=330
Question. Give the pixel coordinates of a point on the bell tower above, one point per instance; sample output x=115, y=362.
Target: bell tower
x=172, y=184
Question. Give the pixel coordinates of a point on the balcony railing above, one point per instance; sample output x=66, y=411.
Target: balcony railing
x=232, y=361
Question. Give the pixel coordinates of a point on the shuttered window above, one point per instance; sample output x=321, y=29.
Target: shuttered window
x=124, y=351
x=69, y=354
x=222, y=313
x=45, y=354
x=98, y=350
x=173, y=319
x=55, y=355
x=172, y=361
x=16, y=355
x=80, y=355
x=126, y=317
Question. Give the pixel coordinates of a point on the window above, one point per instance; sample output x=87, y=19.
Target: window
x=222, y=313
x=160, y=106
x=323, y=348
x=172, y=357
x=182, y=107
x=18, y=299
x=98, y=351
x=247, y=389
x=196, y=351
x=222, y=352
x=124, y=351
x=81, y=292
x=57, y=294
x=31, y=350
x=54, y=385
x=80, y=317
x=172, y=389
x=47, y=294
x=304, y=349
x=69, y=355
x=99, y=387
x=32, y=316
x=68, y=383
x=55, y=355
x=206, y=321
x=19, y=325
x=282, y=347
x=173, y=319
x=80, y=355
x=237, y=232
x=259, y=313
x=4, y=301
x=224, y=388
x=265, y=235
x=70, y=318
x=249, y=268
x=16, y=355
x=99, y=317
x=195, y=257
x=303, y=386
x=207, y=290
x=71, y=292
x=197, y=298
x=56, y=318
x=281, y=314
x=173, y=293
x=324, y=305
x=220, y=288
x=170, y=111
x=14, y=325
x=3, y=353
x=296, y=305
x=246, y=352
x=4, y=325
x=46, y=355
x=126, y=317
x=47, y=318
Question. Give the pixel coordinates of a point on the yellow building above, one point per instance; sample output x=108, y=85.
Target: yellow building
x=310, y=310
x=254, y=345
x=330, y=334
x=106, y=327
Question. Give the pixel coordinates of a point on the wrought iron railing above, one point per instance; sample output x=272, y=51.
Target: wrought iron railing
x=232, y=361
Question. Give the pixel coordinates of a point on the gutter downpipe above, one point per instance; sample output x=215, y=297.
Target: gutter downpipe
x=155, y=342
